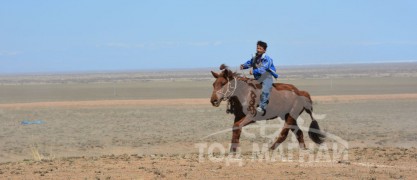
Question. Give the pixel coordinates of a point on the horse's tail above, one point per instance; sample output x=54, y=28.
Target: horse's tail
x=314, y=131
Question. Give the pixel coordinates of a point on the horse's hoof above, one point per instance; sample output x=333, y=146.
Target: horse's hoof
x=273, y=147
x=303, y=146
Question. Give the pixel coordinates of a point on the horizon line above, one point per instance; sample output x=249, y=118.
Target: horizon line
x=192, y=68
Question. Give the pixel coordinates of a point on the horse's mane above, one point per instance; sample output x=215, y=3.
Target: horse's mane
x=227, y=73
x=250, y=81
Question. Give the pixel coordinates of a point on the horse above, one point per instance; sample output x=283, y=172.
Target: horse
x=286, y=102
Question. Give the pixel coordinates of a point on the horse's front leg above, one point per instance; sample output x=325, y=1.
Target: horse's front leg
x=239, y=123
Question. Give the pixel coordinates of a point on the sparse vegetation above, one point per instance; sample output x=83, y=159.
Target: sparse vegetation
x=96, y=140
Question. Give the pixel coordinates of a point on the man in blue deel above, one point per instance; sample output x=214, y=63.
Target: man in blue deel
x=263, y=71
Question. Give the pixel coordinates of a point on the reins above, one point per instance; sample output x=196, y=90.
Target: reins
x=229, y=91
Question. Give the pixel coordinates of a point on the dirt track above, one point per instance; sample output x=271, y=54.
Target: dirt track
x=195, y=101
x=366, y=163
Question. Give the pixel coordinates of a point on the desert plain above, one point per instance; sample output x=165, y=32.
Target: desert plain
x=160, y=124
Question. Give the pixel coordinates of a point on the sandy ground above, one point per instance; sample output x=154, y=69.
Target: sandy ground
x=123, y=140
x=152, y=126
x=365, y=163
x=194, y=101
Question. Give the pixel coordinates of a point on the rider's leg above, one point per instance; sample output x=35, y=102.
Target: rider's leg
x=266, y=89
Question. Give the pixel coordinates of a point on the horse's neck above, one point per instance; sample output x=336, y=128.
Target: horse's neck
x=246, y=79
x=242, y=89
x=250, y=83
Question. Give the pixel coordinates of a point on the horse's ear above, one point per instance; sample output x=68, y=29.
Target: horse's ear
x=215, y=75
x=223, y=66
x=227, y=73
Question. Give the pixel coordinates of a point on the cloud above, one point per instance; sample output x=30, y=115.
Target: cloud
x=10, y=53
x=378, y=43
x=306, y=43
x=356, y=43
x=370, y=43
x=205, y=43
x=122, y=45
x=217, y=43
x=405, y=42
x=161, y=44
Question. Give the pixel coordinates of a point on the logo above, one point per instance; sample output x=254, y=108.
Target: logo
x=261, y=136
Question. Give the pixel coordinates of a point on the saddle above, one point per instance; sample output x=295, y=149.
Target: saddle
x=278, y=86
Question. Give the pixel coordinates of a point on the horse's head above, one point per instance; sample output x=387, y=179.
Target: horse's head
x=219, y=84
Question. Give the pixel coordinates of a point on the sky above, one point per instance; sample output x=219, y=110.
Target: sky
x=102, y=35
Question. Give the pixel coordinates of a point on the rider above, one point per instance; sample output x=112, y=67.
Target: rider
x=263, y=71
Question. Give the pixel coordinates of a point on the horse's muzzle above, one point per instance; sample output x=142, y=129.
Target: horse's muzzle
x=215, y=103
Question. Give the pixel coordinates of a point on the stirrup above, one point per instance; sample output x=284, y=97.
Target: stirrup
x=260, y=110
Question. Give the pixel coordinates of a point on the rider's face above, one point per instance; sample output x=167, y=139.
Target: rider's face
x=260, y=49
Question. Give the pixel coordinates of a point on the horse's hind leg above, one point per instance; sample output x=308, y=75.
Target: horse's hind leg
x=299, y=134
x=290, y=123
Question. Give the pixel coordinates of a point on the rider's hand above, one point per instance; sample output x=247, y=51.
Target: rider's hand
x=250, y=72
x=241, y=67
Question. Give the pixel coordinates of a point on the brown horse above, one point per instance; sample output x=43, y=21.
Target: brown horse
x=286, y=102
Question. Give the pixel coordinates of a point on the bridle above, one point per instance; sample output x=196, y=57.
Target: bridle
x=229, y=91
